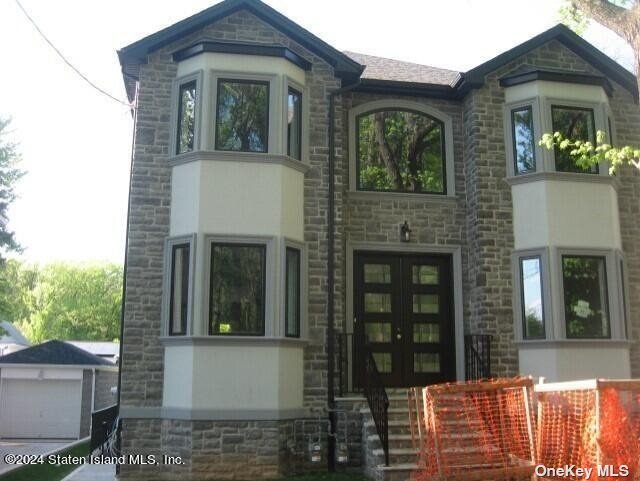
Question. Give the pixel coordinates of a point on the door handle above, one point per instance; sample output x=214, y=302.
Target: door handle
x=398, y=336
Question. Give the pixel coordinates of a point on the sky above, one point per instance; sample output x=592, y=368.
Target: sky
x=76, y=143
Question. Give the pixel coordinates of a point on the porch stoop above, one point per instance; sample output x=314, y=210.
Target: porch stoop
x=402, y=455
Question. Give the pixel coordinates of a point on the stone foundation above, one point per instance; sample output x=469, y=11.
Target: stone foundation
x=230, y=450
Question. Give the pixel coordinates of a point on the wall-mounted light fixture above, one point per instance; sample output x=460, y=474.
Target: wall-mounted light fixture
x=405, y=232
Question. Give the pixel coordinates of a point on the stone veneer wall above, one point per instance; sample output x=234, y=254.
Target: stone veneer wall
x=142, y=363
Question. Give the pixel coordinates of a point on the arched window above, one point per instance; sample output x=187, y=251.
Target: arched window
x=400, y=150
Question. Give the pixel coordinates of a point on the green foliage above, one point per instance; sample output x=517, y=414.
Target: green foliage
x=573, y=18
x=46, y=471
x=9, y=175
x=62, y=301
x=586, y=154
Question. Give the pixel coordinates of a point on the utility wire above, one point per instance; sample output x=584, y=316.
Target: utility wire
x=104, y=92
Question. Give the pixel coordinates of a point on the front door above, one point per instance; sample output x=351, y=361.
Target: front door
x=403, y=315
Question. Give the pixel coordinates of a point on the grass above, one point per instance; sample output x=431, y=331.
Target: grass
x=47, y=472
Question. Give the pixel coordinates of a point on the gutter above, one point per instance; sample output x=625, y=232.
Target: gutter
x=331, y=220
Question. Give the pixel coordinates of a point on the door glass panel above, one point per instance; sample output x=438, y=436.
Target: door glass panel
x=383, y=361
x=377, y=331
x=425, y=275
x=426, y=304
x=426, y=333
x=426, y=362
x=377, y=273
x=374, y=302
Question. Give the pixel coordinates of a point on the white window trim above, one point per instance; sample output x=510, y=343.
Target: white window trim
x=599, y=117
x=198, y=76
x=304, y=118
x=300, y=246
x=169, y=243
x=534, y=104
x=403, y=104
x=274, y=134
x=547, y=306
x=271, y=278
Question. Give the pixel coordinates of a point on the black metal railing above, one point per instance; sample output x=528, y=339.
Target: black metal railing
x=378, y=401
x=477, y=356
x=103, y=424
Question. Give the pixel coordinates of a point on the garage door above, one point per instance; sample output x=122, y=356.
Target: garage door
x=31, y=408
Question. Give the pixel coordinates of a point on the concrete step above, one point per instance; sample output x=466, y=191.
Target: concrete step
x=396, y=455
x=394, y=413
x=397, y=472
x=395, y=441
x=395, y=427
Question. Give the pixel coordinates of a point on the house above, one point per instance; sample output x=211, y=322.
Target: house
x=49, y=391
x=306, y=224
x=11, y=339
x=104, y=349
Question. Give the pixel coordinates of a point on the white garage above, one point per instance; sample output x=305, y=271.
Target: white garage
x=48, y=391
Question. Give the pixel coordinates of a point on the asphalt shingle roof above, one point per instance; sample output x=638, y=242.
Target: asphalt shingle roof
x=54, y=352
x=380, y=68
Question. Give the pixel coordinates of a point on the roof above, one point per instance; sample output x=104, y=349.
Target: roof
x=137, y=51
x=9, y=334
x=98, y=348
x=54, y=352
x=381, y=68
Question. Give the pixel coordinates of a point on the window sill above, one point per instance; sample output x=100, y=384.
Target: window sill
x=579, y=343
x=248, y=157
x=430, y=198
x=232, y=340
x=565, y=177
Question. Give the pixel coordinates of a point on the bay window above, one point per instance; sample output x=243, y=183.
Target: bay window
x=292, y=292
x=186, y=117
x=532, y=308
x=242, y=115
x=237, y=289
x=294, y=124
x=576, y=123
x=524, y=151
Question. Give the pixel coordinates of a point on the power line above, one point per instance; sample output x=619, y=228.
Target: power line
x=82, y=76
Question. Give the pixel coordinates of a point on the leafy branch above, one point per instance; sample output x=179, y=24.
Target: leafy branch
x=587, y=154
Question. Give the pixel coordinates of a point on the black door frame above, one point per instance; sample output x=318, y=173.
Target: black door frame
x=401, y=289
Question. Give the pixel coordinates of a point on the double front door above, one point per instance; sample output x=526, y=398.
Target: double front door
x=403, y=315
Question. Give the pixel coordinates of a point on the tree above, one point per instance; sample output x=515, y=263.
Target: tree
x=620, y=16
x=9, y=175
x=63, y=301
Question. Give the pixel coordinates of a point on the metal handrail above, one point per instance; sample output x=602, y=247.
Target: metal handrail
x=378, y=401
x=477, y=353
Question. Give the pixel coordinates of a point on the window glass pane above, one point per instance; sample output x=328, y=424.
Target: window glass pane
x=294, y=124
x=586, y=308
x=242, y=121
x=374, y=302
x=383, y=361
x=377, y=331
x=400, y=151
x=292, y=312
x=426, y=333
x=532, y=302
x=179, y=300
x=186, y=117
x=575, y=124
x=425, y=275
x=237, y=289
x=377, y=273
x=426, y=304
x=426, y=362
x=523, y=140
x=623, y=289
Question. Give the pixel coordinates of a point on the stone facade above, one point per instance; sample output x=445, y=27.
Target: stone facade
x=478, y=220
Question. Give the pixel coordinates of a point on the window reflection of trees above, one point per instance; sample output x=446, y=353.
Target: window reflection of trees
x=400, y=150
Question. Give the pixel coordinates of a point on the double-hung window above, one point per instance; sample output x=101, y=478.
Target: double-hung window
x=575, y=123
x=294, y=124
x=532, y=298
x=292, y=292
x=524, y=151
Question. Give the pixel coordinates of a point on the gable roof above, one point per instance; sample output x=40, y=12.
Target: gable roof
x=344, y=66
x=613, y=70
x=381, y=68
x=54, y=352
